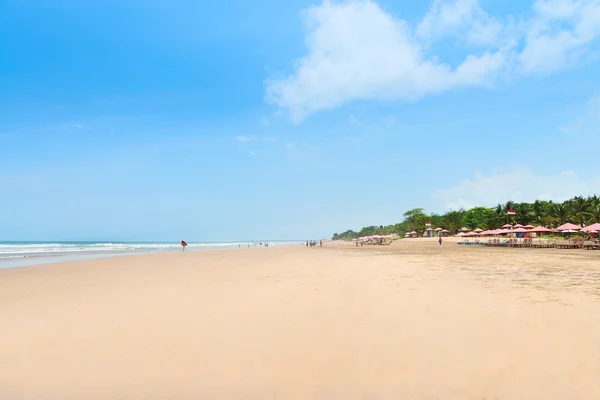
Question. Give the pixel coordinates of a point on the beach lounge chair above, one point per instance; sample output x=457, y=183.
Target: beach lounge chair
x=576, y=244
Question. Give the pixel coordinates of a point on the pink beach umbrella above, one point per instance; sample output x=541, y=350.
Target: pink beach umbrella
x=568, y=226
x=592, y=228
x=540, y=229
x=507, y=226
x=529, y=227
x=518, y=226
x=519, y=230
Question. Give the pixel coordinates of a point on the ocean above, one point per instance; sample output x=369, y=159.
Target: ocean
x=19, y=254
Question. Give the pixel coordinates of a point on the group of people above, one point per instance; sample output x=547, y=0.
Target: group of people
x=313, y=243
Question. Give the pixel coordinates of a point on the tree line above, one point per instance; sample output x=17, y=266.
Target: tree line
x=579, y=210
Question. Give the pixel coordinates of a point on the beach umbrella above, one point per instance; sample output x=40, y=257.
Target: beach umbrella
x=529, y=227
x=518, y=226
x=507, y=226
x=540, y=229
x=478, y=230
x=519, y=230
x=464, y=229
x=568, y=226
x=592, y=228
x=438, y=229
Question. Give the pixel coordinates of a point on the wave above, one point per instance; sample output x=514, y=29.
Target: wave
x=24, y=249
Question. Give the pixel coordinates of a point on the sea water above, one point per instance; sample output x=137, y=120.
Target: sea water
x=19, y=254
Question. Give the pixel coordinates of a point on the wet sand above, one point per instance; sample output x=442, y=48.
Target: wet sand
x=414, y=320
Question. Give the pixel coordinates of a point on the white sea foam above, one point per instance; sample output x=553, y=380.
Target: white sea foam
x=37, y=249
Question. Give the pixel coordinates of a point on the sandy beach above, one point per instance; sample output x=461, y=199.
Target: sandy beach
x=414, y=320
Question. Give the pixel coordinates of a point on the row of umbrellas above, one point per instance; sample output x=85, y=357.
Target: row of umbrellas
x=436, y=230
x=374, y=237
x=569, y=228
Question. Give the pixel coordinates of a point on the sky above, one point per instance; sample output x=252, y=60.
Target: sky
x=264, y=120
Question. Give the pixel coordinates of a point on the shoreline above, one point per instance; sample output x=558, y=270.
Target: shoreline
x=14, y=260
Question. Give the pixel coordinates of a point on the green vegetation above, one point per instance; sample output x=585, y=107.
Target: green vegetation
x=578, y=210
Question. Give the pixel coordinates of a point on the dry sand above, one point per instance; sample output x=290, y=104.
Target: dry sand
x=409, y=321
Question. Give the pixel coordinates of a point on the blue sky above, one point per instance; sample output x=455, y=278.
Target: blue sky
x=234, y=120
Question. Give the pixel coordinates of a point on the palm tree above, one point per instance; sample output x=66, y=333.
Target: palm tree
x=561, y=213
x=524, y=213
x=579, y=207
x=594, y=209
x=500, y=214
x=537, y=212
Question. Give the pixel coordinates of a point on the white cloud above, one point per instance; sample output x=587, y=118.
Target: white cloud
x=518, y=185
x=243, y=139
x=560, y=34
x=462, y=18
x=356, y=50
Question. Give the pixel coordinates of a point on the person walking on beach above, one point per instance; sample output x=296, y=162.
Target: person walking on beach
x=183, y=245
x=320, y=243
x=440, y=240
